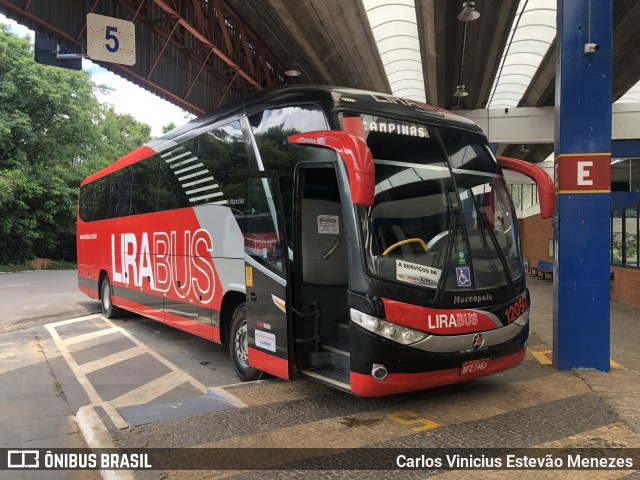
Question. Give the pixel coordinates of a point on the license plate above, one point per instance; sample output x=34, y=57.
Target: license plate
x=474, y=366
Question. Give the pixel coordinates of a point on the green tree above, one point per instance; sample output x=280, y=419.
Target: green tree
x=168, y=127
x=120, y=133
x=53, y=133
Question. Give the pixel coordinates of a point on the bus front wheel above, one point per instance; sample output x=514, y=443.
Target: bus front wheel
x=109, y=310
x=239, y=346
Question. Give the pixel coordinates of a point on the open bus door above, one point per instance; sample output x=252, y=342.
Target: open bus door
x=265, y=247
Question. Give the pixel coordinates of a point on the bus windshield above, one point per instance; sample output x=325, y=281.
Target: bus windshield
x=440, y=206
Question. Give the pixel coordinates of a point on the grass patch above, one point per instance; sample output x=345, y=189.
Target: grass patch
x=60, y=265
x=39, y=264
x=19, y=267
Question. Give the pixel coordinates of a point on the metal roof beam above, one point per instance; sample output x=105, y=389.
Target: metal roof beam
x=426, y=19
x=202, y=37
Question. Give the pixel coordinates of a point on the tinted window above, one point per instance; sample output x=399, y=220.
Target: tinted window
x=264, y=237
x=468, y=152
x=145, y=189
x=86, y=202
x=208, y=169
x=101, y=198
x=219, y=167
x=272, y=127
x=170, y=191
x=120, y=196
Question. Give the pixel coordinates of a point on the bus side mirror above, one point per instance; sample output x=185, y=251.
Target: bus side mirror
x=546, y=192
x=354, y=153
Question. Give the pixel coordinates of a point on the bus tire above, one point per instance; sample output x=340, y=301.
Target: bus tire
x=109, y=310
x=239, y=344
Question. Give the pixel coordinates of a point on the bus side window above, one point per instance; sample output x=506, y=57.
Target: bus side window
x=144, y=197
x=86, y=202
x=120, y=196
x=263, y=238
x=286, y=193
x=272, y=127
x=171, y=193
x=101, y=188
x=224, y=157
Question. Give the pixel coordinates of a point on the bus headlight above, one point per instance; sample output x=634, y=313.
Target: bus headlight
x=391, y=331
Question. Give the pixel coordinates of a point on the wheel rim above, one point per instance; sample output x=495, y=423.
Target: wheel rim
x=106, y=296
x=242, y=345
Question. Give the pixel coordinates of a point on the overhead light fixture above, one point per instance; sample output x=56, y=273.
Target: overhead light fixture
x=293, y=70
x=460, y=91
x=468, y=12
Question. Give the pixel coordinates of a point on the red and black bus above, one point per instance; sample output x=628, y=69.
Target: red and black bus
x=361, y=239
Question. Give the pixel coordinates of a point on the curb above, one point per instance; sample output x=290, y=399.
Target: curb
x=97, y=436
x=222, y=394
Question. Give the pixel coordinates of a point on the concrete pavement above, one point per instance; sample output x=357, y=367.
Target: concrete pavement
x=50, y=371
x=34, y=297
x=34, y=411
x=620, y=387
x=534, y=405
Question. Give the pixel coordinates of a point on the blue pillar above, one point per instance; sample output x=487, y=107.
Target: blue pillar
x=583, y=183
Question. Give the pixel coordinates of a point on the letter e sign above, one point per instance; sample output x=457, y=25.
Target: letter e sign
x=584, y=172
x=589, y=172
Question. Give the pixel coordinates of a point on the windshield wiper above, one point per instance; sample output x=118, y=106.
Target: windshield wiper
x=454, y=225
x=486, y=227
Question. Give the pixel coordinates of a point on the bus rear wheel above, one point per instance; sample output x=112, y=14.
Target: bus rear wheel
x=109, y=310
x=239, y=346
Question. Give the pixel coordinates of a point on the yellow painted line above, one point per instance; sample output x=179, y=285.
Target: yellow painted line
x=412, y=420
x=440, y=407
x=560, y=192
x=582, y=154
x=545, y=358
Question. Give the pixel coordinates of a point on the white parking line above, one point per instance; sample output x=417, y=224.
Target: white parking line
x=88, y=336
x=112, y=359
x=62, y=346
x=15, y=285
x=142, y=394
x=149, y=391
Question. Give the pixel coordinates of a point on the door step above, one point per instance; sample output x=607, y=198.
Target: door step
x=343, y=332
x=333, y=355
x=330, y=376
x=341, y=348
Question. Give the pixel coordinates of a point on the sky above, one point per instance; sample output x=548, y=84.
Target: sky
x=126, y=97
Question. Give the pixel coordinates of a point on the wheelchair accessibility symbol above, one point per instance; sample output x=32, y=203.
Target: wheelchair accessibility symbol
x=463, y=276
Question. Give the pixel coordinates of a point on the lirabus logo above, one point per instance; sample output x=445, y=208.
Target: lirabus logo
x=179, y=265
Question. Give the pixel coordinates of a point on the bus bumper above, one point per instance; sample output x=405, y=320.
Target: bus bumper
x=411, y=369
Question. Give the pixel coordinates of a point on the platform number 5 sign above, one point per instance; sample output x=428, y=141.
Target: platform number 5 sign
x=111, y=39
